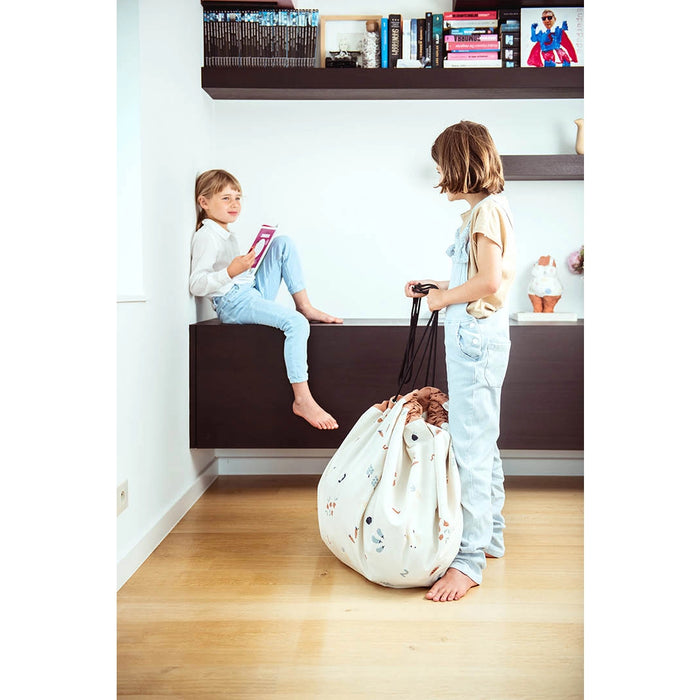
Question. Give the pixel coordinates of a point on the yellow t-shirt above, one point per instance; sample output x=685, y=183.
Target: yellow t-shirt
x=491, y=218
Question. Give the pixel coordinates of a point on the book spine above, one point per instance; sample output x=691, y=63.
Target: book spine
x=414, y=39
x=463, y=31
x=406, y=39
x=205, y=37
x=478, y=23
x=385, y=42
x=474, y=64
x=475, y=14
x=420, y=39
x=394, y=39
x=428, y=39
x=471, y=38
x=438, y=50
x=467, y=56
x=471, y=48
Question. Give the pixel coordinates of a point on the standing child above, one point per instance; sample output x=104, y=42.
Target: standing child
x=477, y=342
x=220, y=273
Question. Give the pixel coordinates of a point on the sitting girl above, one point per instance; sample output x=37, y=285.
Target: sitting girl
x=239, y=295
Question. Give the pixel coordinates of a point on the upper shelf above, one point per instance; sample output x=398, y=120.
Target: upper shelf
x=392, y=83
x=550, y=167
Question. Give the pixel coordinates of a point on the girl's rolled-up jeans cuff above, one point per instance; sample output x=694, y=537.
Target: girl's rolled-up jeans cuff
x=469, y=565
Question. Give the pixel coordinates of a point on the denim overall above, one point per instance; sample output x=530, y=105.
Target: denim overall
x=477, y=357
x=255, y=303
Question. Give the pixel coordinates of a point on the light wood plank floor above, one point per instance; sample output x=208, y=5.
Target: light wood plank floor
x=243, y=600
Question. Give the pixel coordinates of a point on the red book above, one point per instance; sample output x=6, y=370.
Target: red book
x=262, y=243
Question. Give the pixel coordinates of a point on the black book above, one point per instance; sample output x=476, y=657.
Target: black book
x=420, y=39
x=428, y=40
x=395, y=40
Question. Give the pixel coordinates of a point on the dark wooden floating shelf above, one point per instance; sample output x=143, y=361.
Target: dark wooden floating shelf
x=550, y=167
x=392, y=83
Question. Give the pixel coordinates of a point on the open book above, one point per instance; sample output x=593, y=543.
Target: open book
x=262, y=243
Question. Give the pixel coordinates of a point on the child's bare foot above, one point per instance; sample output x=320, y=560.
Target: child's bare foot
x=313, y=314
x=311, y=412
x=452, y=586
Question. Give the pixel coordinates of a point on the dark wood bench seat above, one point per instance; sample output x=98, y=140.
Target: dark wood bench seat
x=240, y=396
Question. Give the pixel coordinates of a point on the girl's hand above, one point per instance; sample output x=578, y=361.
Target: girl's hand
x=241, y=263
x=436, y=299
x=408, y=288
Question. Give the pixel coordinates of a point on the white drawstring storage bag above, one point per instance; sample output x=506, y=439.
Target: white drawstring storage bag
x=389, y=499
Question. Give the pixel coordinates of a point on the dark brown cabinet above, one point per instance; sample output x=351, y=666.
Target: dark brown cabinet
x=240, y=396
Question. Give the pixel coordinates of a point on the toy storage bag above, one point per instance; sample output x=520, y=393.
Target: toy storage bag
x=389, y=499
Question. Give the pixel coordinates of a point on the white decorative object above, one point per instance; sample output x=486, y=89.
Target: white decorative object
x=545, y=288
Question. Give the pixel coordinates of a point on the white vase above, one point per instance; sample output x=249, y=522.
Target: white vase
x=579, y=136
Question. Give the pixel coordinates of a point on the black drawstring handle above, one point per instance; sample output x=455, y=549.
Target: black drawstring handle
x=427, y=347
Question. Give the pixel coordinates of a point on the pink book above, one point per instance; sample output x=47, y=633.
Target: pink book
x=262, y=243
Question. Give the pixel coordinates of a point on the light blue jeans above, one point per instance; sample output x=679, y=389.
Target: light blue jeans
x=477, y=353
x=255, y=304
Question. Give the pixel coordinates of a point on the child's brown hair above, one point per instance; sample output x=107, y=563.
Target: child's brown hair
x=210, y=183
x=468, y=159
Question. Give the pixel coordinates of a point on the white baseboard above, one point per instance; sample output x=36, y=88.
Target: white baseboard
x=138, y=555
x=314, y=461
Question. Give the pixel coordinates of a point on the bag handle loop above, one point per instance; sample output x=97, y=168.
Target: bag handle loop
x=421, y=352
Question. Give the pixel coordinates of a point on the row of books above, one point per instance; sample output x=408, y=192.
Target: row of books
x=261, y=38
x=504, y=38
x=469, y=39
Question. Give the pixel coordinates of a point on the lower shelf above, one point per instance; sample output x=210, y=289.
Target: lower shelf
x=240, y=396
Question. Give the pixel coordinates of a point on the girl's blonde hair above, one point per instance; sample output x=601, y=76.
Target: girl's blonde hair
x=468, y=159
x=209, y=183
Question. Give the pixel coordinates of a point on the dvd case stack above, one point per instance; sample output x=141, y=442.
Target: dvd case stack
x=260, y=38
x=509, y=28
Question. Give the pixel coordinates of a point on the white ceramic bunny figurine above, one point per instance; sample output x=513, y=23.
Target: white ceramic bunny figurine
x=545, y=288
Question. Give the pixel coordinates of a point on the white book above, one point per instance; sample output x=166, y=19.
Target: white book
x=554, y=317
x=474, y=63
x=406, y=40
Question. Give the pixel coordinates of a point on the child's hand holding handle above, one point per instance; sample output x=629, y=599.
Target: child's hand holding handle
x=410, y=292
x=241, y=263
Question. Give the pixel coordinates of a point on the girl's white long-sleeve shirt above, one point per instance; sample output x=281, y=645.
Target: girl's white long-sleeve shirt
x=213, y=249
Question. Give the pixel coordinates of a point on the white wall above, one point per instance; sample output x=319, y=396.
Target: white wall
x=152, y=355
x=351, y=181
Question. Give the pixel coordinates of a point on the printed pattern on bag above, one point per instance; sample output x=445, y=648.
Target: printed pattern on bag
x=389, y=499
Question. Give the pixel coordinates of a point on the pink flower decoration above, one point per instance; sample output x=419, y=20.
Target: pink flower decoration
x=575, y=262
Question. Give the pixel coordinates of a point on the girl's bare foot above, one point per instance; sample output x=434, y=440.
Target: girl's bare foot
x=311, y=412
x=310, y=312
x=452, y=586
x=313, y=314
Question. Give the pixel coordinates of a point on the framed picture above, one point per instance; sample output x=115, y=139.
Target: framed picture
x=551, y=37
x=341, y=38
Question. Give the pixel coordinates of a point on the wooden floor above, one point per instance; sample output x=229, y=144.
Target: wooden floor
x=243, y=600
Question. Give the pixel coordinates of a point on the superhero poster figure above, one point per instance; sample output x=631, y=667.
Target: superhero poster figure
x=551, y=44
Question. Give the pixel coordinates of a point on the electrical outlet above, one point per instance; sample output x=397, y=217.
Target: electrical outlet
x=122, y=496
